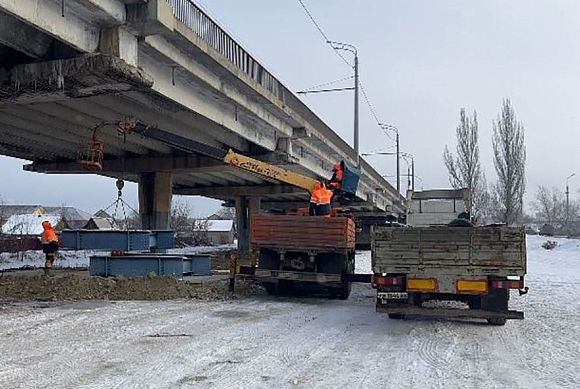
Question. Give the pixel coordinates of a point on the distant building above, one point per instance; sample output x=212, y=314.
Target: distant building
x=100, y=223
x=213, y=232
x=435, y=207
x=28, y=218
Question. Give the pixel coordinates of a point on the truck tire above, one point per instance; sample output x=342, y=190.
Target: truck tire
x=496, y=301
x=346, y=287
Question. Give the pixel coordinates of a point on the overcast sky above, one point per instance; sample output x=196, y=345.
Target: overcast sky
x=420, y=62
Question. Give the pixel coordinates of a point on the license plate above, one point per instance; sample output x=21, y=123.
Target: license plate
x=393, y=295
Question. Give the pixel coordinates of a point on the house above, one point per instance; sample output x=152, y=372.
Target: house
x=27, y=224
x=62, y=217
x=213, y=232
x=100, y=223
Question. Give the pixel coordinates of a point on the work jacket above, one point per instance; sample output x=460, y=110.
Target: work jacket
x=48, y=235
x=336, y=180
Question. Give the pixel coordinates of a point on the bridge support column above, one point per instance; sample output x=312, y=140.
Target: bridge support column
x=155, y=192
x=245, y=208
x=121, y=43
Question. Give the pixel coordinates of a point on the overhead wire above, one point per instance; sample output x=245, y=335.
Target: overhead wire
x=350, y=77
x=339, y=54
x=321, y=31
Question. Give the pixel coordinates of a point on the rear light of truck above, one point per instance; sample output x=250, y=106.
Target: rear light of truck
x=471, y=286
x=379, y=280
x=421, y=284
x=507, y=284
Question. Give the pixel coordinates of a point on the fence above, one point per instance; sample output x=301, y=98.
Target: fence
x=17, y=244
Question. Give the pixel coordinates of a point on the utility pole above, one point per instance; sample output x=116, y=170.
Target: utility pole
x=413, y=174
x=356, y=149
x=398, y=165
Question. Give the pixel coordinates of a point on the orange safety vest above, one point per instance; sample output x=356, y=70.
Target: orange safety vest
x=324, y=196
x=48, y=235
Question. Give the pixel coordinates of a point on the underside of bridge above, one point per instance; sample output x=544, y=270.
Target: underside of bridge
x=70, y=70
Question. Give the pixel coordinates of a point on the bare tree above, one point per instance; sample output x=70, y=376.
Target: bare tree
x=200, y=232
x=180, y=217
x=550, y=206
x=510, y=164
x=226, y=213
x=465, y=168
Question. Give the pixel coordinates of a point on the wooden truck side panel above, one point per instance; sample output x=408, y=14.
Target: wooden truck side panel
x=453, y=250
x=303, y=232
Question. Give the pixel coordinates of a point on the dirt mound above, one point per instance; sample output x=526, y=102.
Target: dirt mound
x=78, y=286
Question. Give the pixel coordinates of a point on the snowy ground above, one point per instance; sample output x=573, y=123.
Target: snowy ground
x=282, y=342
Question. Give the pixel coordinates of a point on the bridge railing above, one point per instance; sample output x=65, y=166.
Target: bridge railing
x=200, y=23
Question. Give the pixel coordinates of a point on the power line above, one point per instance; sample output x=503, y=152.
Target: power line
x=321, y=31
x=364, y=93
x=328, y=83
x=373, y=112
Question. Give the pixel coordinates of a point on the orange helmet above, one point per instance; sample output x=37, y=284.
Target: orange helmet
x=336, y=166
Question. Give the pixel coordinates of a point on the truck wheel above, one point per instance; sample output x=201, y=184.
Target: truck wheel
x=497, y=321
x=496, y=301
x=344, y=291
x=346, y=287
x=396, y=316
x=271, y=288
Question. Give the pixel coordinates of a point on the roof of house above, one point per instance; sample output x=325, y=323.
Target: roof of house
x=69, y=213
x=101, y=223
x=27, y=224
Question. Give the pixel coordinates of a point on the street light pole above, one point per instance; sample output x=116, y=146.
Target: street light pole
x=352, y=49
x=398, y=165
x=356, y=143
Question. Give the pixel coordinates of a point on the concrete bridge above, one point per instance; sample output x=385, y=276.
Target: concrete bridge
x=67, y=66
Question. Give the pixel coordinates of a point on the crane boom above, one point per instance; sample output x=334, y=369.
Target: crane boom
x=271, y=171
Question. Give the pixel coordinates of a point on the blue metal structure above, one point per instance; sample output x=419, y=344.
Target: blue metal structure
x=136, y=265
x=198, y=265
x=137, y=240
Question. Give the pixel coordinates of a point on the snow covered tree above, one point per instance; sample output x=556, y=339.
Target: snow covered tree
x=510, y=164
x=465, y=168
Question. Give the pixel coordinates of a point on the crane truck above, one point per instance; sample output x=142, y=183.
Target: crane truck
x=297, y=251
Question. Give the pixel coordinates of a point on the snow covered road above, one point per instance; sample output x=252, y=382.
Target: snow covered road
x=281, y=342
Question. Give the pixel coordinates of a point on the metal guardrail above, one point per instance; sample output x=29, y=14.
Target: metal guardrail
x=200, y=23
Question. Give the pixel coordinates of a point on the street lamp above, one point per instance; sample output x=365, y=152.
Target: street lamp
x=568, y=203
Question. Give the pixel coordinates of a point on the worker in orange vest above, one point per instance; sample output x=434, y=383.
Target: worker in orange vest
x=320, y=200
x=49, y=245
x=337, y=175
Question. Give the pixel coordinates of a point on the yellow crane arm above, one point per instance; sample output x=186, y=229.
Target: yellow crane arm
x=268, y=170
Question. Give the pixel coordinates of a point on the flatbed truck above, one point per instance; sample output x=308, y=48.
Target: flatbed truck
x=477, y=266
